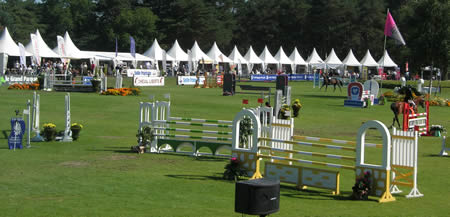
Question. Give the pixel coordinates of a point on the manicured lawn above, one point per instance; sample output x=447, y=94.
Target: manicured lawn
x=99, y=176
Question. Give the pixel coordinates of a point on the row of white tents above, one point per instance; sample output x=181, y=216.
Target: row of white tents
x=67, y=49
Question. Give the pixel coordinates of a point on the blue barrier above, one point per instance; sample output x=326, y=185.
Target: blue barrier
x=292, y=77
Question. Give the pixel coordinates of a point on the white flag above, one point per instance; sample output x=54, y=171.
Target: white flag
x=34, y=43
x=23, y=59
x=61, y=48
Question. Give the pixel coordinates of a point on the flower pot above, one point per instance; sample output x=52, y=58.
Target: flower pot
x=75, y=132
x=49, y=134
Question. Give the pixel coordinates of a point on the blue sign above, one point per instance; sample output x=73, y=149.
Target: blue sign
x=292, y=77
x=87, y=80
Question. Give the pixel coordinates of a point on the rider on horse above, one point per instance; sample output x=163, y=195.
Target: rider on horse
x=409, y=98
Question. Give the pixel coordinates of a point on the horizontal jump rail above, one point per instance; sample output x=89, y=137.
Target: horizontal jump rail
x=340, y=166
x=416, y=115
x=201, y=120
x=336, y=141
x=194, y=137
x=309, y=144
x=194, y=130
x=194, y=124
x=314, y=154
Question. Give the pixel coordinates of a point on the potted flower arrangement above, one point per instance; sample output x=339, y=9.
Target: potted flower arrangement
x=49, y=131
x=76, y=128
x=437, y=130
x=284, y=112
x=233, y=170
x=296, y=106
x=362, y=187
x=144, y=138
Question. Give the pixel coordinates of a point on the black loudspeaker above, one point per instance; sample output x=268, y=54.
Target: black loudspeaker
x=229, y=84
x=282, y=82
x=257, y=197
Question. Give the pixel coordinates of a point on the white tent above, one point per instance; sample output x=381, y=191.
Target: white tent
x=252, y=59
x=296, y=59
x=197, y=54
x=368, y=60
x=350, y=60
x=267, y=58
x=237, y=58
x=122, y=56
x=177, y=53
x=332, y=60
x=217, y=56
x=72, y=52
x=386, y=60
x=8, y=46
x=44, y=50
x=157, y=53
x=315, y=61
x=282, y=58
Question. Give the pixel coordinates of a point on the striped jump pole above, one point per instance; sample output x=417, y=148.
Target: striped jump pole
x=194, y=124
x=194, y=137
x=309, y=144
x=194, y=131
x=335, y=141
x=200, y=120
x=308, y=162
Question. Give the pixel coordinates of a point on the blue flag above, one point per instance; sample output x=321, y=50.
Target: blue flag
x=132, y=47
x=117, y=49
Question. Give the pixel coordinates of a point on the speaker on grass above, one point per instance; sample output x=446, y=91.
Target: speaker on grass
x=257, y=197
x=282, y=83
x=229, y=84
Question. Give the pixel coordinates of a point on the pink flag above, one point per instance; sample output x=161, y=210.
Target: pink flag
x=391, y=30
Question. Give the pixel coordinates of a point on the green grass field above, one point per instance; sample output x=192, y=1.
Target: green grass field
x=99, y=176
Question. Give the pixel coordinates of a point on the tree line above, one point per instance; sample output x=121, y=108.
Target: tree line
x=306, y=24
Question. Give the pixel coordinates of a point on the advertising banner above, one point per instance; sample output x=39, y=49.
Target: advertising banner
x=148, y=81
x=190, y=80
x=142, y=72
x=292, y=77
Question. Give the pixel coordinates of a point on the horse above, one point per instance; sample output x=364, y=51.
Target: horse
x=398, y=108
x=330, y=81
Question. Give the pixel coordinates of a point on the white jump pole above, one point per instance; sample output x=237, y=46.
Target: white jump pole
x=36, y=118
x=67, y=132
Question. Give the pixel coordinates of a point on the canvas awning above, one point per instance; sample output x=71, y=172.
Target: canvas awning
x=332, y=60
x=157, y=53
x=8, y=46
x=314, y=60
x=350, y=60
x=217, y=56
x=43, y=49
x=386, y=61
x=177, y=53
x=368, y=60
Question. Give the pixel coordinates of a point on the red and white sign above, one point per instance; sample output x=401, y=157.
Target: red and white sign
x=148, y=81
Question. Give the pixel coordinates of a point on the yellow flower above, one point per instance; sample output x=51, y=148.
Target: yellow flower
x=77, y=125
x=49, y=125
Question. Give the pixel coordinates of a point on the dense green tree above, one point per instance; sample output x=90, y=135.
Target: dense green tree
x=429, y=34
x=21, y=18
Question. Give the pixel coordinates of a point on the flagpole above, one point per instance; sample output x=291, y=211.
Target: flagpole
x=384, y=49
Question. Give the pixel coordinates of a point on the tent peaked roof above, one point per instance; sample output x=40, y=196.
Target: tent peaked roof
x=281, y=57
x=386, y=60
x=177, y=53
x=198, y=54
x=44, y=50
x=7, y=44
x=71, y=50
x=296, y=58
x=217, y=56
x=314, y=59
x=350, y=59
x=156, y=52
x=236, y=57
x=267, y=57
x=251, y=56
x=332, y=59
x=368, y=60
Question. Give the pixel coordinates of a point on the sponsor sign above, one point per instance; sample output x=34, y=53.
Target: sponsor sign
x=148, y=81
x=142, y=72
x=87, y=80
x=291, y=77
x=190, y=80
x=354, y=91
